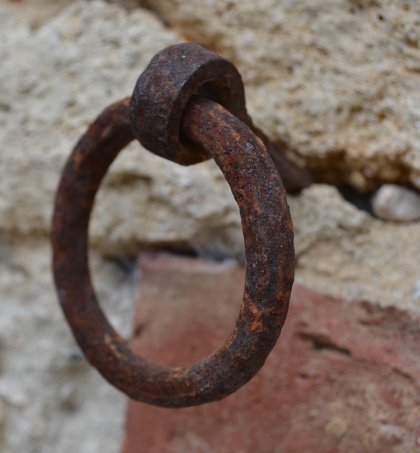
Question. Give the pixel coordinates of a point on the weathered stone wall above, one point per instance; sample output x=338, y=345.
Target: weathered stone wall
x=338, y=81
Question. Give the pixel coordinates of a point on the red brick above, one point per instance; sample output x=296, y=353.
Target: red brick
x=344, y=377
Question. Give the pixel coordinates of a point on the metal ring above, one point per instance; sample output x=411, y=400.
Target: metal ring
x=268, y=235
x=162, y=91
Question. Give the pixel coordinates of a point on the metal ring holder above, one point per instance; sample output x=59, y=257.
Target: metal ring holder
x=188, y=106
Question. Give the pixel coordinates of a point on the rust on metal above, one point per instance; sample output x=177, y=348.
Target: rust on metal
x=188, y=106
x=163, y=90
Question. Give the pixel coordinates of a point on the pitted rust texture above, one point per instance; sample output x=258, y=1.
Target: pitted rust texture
x=268, y=235
x=163, y=90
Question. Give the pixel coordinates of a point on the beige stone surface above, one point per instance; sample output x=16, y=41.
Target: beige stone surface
x=339, y=80
x=51, y=400
x=320, y=214
x=380, y=265
x=345, y=252
x=53, y=81
x=56, y=80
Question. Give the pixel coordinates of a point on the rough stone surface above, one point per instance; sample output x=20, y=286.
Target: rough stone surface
x=320, y=214
x=381, y=265
x=397, y=203
x=53, y=81
x=145, y=201
x=345, y=252
x=51, y=400
x=342, y=378
x=337, y=79
x=96, y=52
x=29, y=12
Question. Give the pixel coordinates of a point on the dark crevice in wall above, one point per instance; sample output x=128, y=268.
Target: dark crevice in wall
x=362, y=201
x=321, y=343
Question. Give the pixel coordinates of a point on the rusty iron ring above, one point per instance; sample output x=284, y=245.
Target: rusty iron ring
x=163, y=90
x=268, y=236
